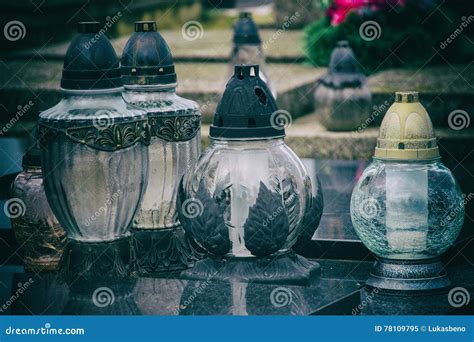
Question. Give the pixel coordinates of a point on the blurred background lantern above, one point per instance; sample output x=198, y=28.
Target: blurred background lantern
x=36, y=229
x=407, y=207
x=94, y=159
x=342, y=98
x=175, y=125
x=247, y=48
x=246, y=200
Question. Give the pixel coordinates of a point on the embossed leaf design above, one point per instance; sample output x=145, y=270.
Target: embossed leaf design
x=208, y=229
x=267, y=225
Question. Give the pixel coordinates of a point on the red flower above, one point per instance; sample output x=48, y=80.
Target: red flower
x=339, y=10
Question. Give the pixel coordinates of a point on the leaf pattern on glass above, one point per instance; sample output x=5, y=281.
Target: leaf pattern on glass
x=208, y=228
x=115, y=137
x=267, y=225
x=179, y=128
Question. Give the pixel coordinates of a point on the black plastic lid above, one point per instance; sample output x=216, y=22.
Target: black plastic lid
x=146, y=58
x=246, y=31
x=247, y=109
x=91, y=62
x=343, y=69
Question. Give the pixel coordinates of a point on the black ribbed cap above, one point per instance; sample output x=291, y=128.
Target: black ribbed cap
x=91, y=62
x=247, y=108
x=146, y=58
x=246, y=31
x=343, y=69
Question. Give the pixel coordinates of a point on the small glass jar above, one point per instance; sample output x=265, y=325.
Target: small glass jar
x=36, y=229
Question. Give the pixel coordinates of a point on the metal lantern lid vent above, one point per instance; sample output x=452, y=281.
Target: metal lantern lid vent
x=406, y=132
x=147, y=59
x=246, y=31
x=247, y=108
x=91, y=62
x=343, y=70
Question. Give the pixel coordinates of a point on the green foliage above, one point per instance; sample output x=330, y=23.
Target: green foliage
x=410, y=37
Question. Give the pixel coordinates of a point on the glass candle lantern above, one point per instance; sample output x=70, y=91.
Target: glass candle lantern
x=175, y=122
x=247, y=48
x=407, y=207
x=246, y=199
x=342, y=99
x=36, y=229
x=95, y=159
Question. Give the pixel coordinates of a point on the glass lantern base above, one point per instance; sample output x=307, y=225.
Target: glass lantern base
x=409, y=276
x=163, y=250
x=89, y=265
x=287, y=268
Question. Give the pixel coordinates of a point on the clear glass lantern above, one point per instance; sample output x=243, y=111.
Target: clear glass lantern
x=248, y=195
x=342, y=99
x=95, y=158
x=175, y=126
x=247, y=48
x=407, y=207
x=36, y=229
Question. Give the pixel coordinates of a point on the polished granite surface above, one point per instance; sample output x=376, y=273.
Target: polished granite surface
x=338, y=289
